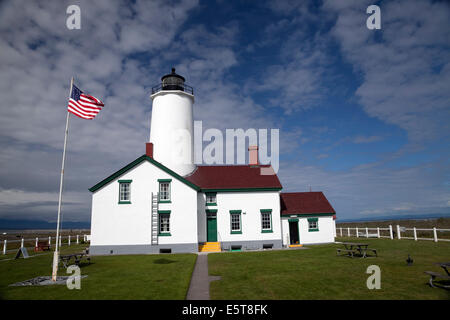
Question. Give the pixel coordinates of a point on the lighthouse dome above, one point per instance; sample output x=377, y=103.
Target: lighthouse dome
x=172, y=81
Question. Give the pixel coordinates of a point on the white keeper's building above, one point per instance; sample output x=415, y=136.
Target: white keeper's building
x=162, y=202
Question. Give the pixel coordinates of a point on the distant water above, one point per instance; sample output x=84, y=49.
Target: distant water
x=7, y=224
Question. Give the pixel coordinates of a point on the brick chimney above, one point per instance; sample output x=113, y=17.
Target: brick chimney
x=149, y=149
x=253, y=155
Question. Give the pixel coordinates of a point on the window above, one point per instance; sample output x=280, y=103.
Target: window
x=313, y=224
x=164, y=190
x=266, y=220
x=235, y=221
x=211, y=199
x=164, y=223
x=124, y=192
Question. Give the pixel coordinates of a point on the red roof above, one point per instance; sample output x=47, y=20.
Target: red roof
x=233, y=177
x=305, y=202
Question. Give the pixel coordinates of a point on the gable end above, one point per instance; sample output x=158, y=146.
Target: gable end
x=135, y=163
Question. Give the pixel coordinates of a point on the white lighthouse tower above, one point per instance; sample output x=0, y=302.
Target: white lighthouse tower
x=171, y=129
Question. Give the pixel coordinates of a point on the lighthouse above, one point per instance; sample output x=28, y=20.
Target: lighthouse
x=171, y=127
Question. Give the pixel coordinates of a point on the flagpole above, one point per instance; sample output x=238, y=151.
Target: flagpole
x=56, y=253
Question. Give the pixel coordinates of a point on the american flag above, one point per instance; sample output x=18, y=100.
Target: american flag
x=84, y=105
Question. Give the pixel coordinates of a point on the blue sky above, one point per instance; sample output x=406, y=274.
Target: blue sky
x=363, y=114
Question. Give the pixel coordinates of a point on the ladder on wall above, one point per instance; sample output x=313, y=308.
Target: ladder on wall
x=154, y=218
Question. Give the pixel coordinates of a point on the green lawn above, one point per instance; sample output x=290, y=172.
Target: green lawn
x=109, y=277
x=317, y=273
x=314, y=273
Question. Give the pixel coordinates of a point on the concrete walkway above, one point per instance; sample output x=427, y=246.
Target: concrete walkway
x=199, y=286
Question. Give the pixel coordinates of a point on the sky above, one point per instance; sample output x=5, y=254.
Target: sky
x=363, y=114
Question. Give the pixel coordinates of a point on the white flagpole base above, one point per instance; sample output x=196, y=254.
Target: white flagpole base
x=55, y=265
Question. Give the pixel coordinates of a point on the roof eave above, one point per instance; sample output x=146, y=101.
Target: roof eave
x=240, y=189
x=135, y=163
x=309, y=214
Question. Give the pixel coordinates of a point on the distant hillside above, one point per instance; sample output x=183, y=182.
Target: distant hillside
x=7, y=224
x=396, y=217
x=440, y=223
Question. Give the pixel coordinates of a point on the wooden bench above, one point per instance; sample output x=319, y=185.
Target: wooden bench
x=433, y=275
x=349, y=252
x=42, y=246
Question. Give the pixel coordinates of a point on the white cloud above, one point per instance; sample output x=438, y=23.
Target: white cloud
x=38, y=57
x=406, y=72
x=405, y=81
x=14, y=197
x=371, y=189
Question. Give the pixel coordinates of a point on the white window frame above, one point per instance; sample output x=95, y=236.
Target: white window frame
x=231, y=221
x=167, y=193
x=314, y=227
x=270, y=220
x=122, y=193
x=160, y=224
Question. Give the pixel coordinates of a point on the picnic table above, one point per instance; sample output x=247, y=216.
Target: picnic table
x=42, y=246
x=434, y=275
x=77, y=257
x=352, y=249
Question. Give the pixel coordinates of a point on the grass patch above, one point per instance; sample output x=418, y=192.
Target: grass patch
x=317, y=273
x=151, y=277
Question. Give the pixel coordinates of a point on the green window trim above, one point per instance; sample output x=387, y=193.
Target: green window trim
x=239, y=212
x=169, y=192
x=129, y=191
x=316, y=220
x=211, y=194
x=271, y=221
x=211, y=210
x=163, y=233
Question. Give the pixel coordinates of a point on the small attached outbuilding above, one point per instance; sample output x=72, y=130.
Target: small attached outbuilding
x=306, y=218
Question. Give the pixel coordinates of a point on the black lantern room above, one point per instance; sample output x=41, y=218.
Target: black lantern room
x=173, y=81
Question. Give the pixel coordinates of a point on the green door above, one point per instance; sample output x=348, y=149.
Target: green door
x=211, y=229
